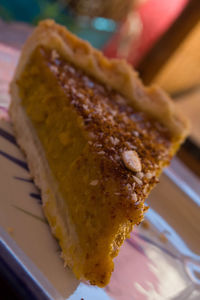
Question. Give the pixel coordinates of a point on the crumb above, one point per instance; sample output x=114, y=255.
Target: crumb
x=145, y=224
x=94, y=182
x=163, y=238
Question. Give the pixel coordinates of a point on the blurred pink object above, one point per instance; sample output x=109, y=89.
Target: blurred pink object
x=143, y=28
x=131, y=275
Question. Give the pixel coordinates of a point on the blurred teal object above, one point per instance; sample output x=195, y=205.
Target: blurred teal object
x=20, y=10
x=97, y=30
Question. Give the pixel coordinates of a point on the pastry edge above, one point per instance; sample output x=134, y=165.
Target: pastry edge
x=113, y=72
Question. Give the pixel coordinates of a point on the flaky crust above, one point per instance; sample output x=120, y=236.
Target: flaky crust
x=112, y=72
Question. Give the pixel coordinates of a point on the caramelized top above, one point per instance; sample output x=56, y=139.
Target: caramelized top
x=114, y=125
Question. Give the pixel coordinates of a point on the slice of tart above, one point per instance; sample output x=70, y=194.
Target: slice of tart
x=96, y=141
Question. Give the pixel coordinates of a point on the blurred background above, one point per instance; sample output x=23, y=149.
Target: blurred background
x=160, y=38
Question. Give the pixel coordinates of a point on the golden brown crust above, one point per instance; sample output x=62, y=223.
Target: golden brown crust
x=113, y=72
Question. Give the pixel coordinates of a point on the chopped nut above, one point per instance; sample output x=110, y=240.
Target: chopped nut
x=132, y=161
x=54, y=69
x=69, y=68
x=149, y=175
x=145, y=190
x=134, y=197
x=137, y=180
x=129, y=187
x=114, y=140
x=98, y=145
x=135, y=133
x=101, y=152
x=130, y=146
x=94, y=182
x=140, y=175
x=134, y=147
x=80, y=95
x=85, y=107
x=73, y=90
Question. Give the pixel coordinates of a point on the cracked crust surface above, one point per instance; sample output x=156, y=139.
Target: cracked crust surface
x=113, y=72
